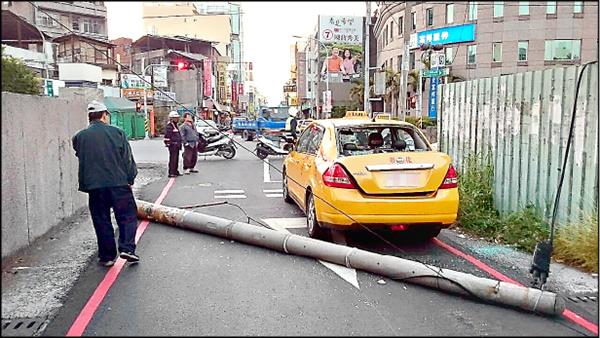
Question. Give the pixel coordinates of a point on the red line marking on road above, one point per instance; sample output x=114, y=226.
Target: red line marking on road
x=87, y=313
x=570, y=315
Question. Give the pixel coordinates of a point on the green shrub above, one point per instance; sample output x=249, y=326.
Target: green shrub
x=17, y=77
x=577, y=243
x=476, y=211
x=413, y=120
x=524, y=228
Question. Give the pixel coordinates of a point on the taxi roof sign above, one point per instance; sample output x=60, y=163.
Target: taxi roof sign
x=383, y=117
x=356, y=115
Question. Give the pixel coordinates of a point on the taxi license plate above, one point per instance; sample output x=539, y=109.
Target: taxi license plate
x=402, y=179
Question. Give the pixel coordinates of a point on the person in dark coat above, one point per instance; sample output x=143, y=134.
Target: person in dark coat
x=107, y=171
x=190, y=138
x=173, y=141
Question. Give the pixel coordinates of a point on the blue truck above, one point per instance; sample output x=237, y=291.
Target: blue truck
x=270, y=120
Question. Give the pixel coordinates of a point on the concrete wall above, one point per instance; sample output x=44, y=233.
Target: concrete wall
x=39, y=167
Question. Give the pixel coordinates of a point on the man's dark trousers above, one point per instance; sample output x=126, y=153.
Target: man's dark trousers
x=190, y=157
x=174, y=159
x=121, y=200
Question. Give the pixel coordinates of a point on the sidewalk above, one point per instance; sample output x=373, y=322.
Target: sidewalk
x=36, y=279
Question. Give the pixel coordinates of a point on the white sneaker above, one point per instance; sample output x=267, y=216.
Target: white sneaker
x=186, y=171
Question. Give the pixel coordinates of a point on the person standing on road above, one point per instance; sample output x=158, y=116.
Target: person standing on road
x=173, y=142
x=292, y=123
x=190, y=138
x=107, y=170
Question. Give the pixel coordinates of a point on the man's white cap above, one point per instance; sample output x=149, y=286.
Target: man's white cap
x=96, y=106
x=173, y=114
x=292, y=111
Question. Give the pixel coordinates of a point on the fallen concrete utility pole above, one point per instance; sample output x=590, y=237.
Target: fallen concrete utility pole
x=488, y=290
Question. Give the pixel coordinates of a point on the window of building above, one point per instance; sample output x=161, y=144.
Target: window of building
x=523, y=48
x=75, y=24
x=449, y=55
x=385, y=36
x=45, y=20
x=450, y=13
x=429, y=17
x=472, y=10
x=471, y=52
x=413, y=19
x=401, y=26
x=523, y=7
x=498, y=9
x=577, y=7
x=551, y=7
x=562, y=50
x=497, y=52
x=411, y=60
x=399, y=62
x=392, y=31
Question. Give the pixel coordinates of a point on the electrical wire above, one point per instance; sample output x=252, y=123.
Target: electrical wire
x=253, y=153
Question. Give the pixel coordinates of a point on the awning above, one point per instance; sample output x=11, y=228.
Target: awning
x=218, y=107
x=191, y=56
x=119, y=104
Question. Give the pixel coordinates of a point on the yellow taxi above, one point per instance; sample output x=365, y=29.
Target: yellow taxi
x=356, y=172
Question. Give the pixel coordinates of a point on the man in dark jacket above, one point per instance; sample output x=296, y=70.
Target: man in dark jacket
x=107, y=170
x=190, y=138
x=173, y=142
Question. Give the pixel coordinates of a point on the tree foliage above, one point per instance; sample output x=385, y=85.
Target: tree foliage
x=17, y=77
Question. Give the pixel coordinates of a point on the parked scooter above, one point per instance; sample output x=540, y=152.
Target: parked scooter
x=212, y=143
x=266, y=147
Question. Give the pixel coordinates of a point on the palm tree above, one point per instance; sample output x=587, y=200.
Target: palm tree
x=357, y=92
x=392, y=87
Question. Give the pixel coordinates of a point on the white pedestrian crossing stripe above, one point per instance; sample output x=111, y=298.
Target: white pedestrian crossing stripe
x=274, y=195
x=230, y=194
x=272, y=190
x=283, y=224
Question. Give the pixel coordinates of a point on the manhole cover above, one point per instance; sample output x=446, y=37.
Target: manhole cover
x=22, y=326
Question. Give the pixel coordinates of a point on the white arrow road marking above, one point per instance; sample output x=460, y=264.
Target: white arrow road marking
x=282, y=224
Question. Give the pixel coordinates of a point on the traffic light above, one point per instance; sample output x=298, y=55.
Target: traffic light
x=181, y=65
x=138, y=106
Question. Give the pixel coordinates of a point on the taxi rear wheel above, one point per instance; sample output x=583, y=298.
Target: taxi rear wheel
x=312, y=224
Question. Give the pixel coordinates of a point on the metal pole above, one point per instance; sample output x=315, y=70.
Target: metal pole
x=146, y=137
x=484, y=289
x=327, y=84
x=367, y=65
x=405, y=56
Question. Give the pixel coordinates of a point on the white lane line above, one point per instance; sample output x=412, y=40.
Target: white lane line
x=229, y=191
x=266, y=173
x=230, y=196
x=272, y=190
x=274, y=195
x=282, y=224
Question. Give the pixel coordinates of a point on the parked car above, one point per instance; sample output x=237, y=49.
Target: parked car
x=381, y=174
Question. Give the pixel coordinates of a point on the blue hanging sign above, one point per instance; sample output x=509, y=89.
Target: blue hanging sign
x=433, y=82
x=446, y=35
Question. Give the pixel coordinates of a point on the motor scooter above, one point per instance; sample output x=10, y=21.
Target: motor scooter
x=216, y=144
x=266, y=147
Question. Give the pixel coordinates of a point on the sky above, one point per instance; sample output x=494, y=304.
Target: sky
x=268, y=28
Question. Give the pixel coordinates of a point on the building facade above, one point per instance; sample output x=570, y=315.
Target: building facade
x=507, y=37
x=86, y=18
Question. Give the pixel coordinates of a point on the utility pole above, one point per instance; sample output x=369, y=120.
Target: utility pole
x=405, y=55
x=367, y=65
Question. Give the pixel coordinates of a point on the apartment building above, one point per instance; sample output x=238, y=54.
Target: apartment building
x=485, y=39
x=86, y=18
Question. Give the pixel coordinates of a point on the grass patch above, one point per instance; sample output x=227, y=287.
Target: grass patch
x=577, y=243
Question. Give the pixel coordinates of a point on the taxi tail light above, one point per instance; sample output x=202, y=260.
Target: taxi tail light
x=336, y=177
x=450, y=180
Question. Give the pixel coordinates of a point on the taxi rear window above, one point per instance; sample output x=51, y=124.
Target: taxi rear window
x=362, y=140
